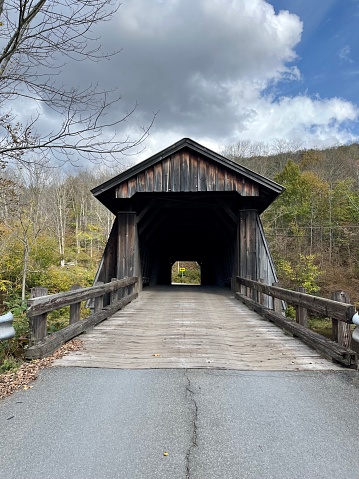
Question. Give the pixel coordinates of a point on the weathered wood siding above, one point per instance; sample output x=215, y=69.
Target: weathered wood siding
x=265, y=267
x=186, y=172
x=252, y=257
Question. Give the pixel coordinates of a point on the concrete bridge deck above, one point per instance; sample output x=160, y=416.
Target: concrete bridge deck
x=192, y=327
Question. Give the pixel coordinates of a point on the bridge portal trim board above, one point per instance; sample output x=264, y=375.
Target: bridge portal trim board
x=192, y=327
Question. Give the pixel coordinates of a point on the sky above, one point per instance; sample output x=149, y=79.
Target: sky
x=223, y=71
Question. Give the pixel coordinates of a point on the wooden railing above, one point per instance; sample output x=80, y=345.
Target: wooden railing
x=251, y=293
x=118, y=292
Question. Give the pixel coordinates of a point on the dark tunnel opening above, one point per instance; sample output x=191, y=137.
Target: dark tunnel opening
x=196, y=229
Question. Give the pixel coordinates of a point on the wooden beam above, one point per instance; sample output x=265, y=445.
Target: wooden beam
x=228, y=210
x=328, y=348
x=145, y=210
x=326, y=307
x=48, y=345
x=51, y=302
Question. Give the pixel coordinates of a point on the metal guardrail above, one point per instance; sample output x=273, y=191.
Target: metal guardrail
x=355, y=320
x=7, y=330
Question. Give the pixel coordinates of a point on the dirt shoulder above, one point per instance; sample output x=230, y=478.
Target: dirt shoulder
x=23, y=377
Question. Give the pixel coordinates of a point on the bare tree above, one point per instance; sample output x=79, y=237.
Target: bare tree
x=37, y=39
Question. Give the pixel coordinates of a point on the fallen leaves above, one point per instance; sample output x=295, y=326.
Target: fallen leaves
x=21, y=378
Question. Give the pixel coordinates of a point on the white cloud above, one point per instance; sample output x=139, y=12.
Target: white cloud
x=207, y=67
x=312, y=122
x=344, y=54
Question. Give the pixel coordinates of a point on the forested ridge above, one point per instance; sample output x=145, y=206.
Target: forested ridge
x=313, y=227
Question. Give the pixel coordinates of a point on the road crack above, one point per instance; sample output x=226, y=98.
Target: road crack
x=193, y=443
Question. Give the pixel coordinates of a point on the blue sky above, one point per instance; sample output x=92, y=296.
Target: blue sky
x=329, y=48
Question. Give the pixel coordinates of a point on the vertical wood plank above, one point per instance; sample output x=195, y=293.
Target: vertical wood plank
x=251, y=243
x=202, y=175
x=193, y=166
x=166, y=175
x=122, y=190
x=157, y=178
x=129, y=261
x=236, y=271
x=132, y=186
x=141, y=182
x=228, y=181
x=149, y=180
x=211, y=182
x=220, y=180
x=38, y=323
x=242, y=257
x=185, y=172
x=176, y=173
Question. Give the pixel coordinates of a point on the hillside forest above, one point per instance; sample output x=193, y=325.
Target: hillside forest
x=313, y=227
x=53, y=231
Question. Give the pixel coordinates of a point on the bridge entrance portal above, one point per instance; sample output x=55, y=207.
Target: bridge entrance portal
x=187, y=202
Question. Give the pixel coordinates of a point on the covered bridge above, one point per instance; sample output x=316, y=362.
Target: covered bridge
x=187, y=203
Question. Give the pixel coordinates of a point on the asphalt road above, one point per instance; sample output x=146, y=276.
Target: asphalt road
x=80, y=423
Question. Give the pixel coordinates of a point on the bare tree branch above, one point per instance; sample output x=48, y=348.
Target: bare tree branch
x=37, y=39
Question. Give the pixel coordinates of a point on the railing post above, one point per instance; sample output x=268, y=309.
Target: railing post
x=260, y=294
x=340, y=330
x=75, y=309
x=98, y=301
x=248, y=289
x=38, y=323
x=301, y=313
x=115, y=295
x=277, y=303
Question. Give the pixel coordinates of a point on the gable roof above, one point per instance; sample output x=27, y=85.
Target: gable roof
x=268, y=188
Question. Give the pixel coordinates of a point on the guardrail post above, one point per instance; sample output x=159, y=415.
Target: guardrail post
x=301, y=313
x=98, y=301
x=340, y=330
x=38, y=323
x=75, y=309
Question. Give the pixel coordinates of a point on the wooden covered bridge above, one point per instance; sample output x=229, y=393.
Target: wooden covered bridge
x=189, y=203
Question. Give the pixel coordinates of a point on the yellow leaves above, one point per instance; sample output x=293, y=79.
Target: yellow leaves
x=156, y=355
x=166, y=453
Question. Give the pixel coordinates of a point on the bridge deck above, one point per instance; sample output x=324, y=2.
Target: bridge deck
x=192, y=327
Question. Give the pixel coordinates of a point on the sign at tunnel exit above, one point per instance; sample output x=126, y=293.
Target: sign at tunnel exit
x=182, y=270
